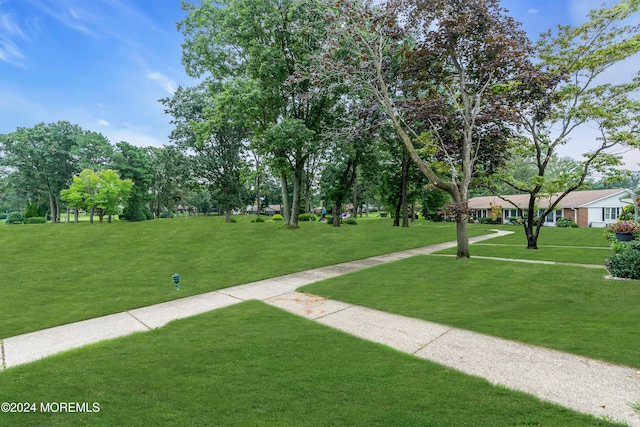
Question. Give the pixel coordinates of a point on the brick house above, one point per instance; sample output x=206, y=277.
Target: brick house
x=590, y=208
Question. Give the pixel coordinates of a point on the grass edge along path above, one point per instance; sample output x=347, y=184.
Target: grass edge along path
x=251, y=364
x=567, y=308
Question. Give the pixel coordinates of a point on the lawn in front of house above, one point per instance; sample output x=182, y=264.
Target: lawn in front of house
x=568, y=308
x=251, y=364
x=53, y=274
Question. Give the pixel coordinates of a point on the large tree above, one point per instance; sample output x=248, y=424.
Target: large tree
x=456, y=54
x=134, y=163
x=44, y=158
x=254, y=48
x=215, y=144
x=568, y=93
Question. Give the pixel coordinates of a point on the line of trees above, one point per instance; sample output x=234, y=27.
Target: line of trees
x=353, y=101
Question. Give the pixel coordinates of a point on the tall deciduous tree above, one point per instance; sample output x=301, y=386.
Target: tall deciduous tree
x=457, y=53
x=568, y=93
x=45, y=158
x=254, y=48
x=134, y=163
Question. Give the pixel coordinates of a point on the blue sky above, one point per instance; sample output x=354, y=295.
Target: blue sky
x=103, y=64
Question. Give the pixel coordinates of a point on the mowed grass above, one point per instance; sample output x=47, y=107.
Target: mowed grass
x=573, y=309
x=54, y=274
x=566, y=245
x=251, y=364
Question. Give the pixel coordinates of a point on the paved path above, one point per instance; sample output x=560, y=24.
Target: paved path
x=585, y=385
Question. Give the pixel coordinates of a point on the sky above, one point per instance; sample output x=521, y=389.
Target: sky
x=104, y=64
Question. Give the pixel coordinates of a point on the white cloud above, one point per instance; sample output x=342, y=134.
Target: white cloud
x=165, y=82
x=102, y=122
x=9, y=51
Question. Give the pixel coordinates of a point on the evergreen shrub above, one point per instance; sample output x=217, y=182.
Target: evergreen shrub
x=35, y=220
x=566, y=223
x=15, y=218
x=3, y=215
x=625, y=262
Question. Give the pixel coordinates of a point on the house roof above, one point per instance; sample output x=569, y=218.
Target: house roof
x=574, y=199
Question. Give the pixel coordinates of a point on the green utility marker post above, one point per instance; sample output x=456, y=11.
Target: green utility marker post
x=176, y=280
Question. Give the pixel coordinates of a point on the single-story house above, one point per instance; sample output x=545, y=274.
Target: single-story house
x=268, y=210
x=590, y=208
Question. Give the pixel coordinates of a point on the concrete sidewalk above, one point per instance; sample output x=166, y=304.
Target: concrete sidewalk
x=575, y=382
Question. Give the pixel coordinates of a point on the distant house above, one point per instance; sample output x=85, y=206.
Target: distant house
x=590, y=208
x=268, y=210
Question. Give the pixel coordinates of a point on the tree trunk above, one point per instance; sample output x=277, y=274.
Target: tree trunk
x=76, y=214
x=355, y=198
x=228, y=216
x=295, y=205
x=285, y=198
x=462, y=226
x=91, y=216
x=396, y=217
x=52, y=207
x=337, y=208
x=403, y=189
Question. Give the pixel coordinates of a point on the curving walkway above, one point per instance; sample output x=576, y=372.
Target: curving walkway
x=585, y=385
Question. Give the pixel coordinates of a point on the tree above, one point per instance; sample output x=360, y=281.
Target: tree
x=216, y=142
x=457, y=53
x=101, y=191
x=254, y=49
x=43, y=158
x=134, y=163
x=565, y=94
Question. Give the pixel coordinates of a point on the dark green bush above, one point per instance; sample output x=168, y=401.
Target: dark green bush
x=489, y=220
x=328, y=219
x=35, y=220
x=626, y=263
x=165, y=214
x=566, y=223
x=258, y=219
x=15, y=218
x=350, y=221
x=306, y=217
x=135, y=214
x=3, y=215
x=31, y=211
x=147, y=212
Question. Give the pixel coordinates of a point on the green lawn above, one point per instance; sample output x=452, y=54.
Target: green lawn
x=254, y=365
x=568, y=308
x=54, y=274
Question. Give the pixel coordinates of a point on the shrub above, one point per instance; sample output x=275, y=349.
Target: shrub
x=350, y=221
x=233, y=220
x=35, y=220
x=489, y=220
x=165, y=214
x=147, y=212
x=135, y=214
x=329, y=219
x=3, y=215
x=31, y=211
x=277, y=217
x=15, y=218
x=258, y=219
x=625, y=263
x=566, y=223
x=306, y=217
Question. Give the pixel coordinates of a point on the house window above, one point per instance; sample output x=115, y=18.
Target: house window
x=481, y=213
x=610, y=214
